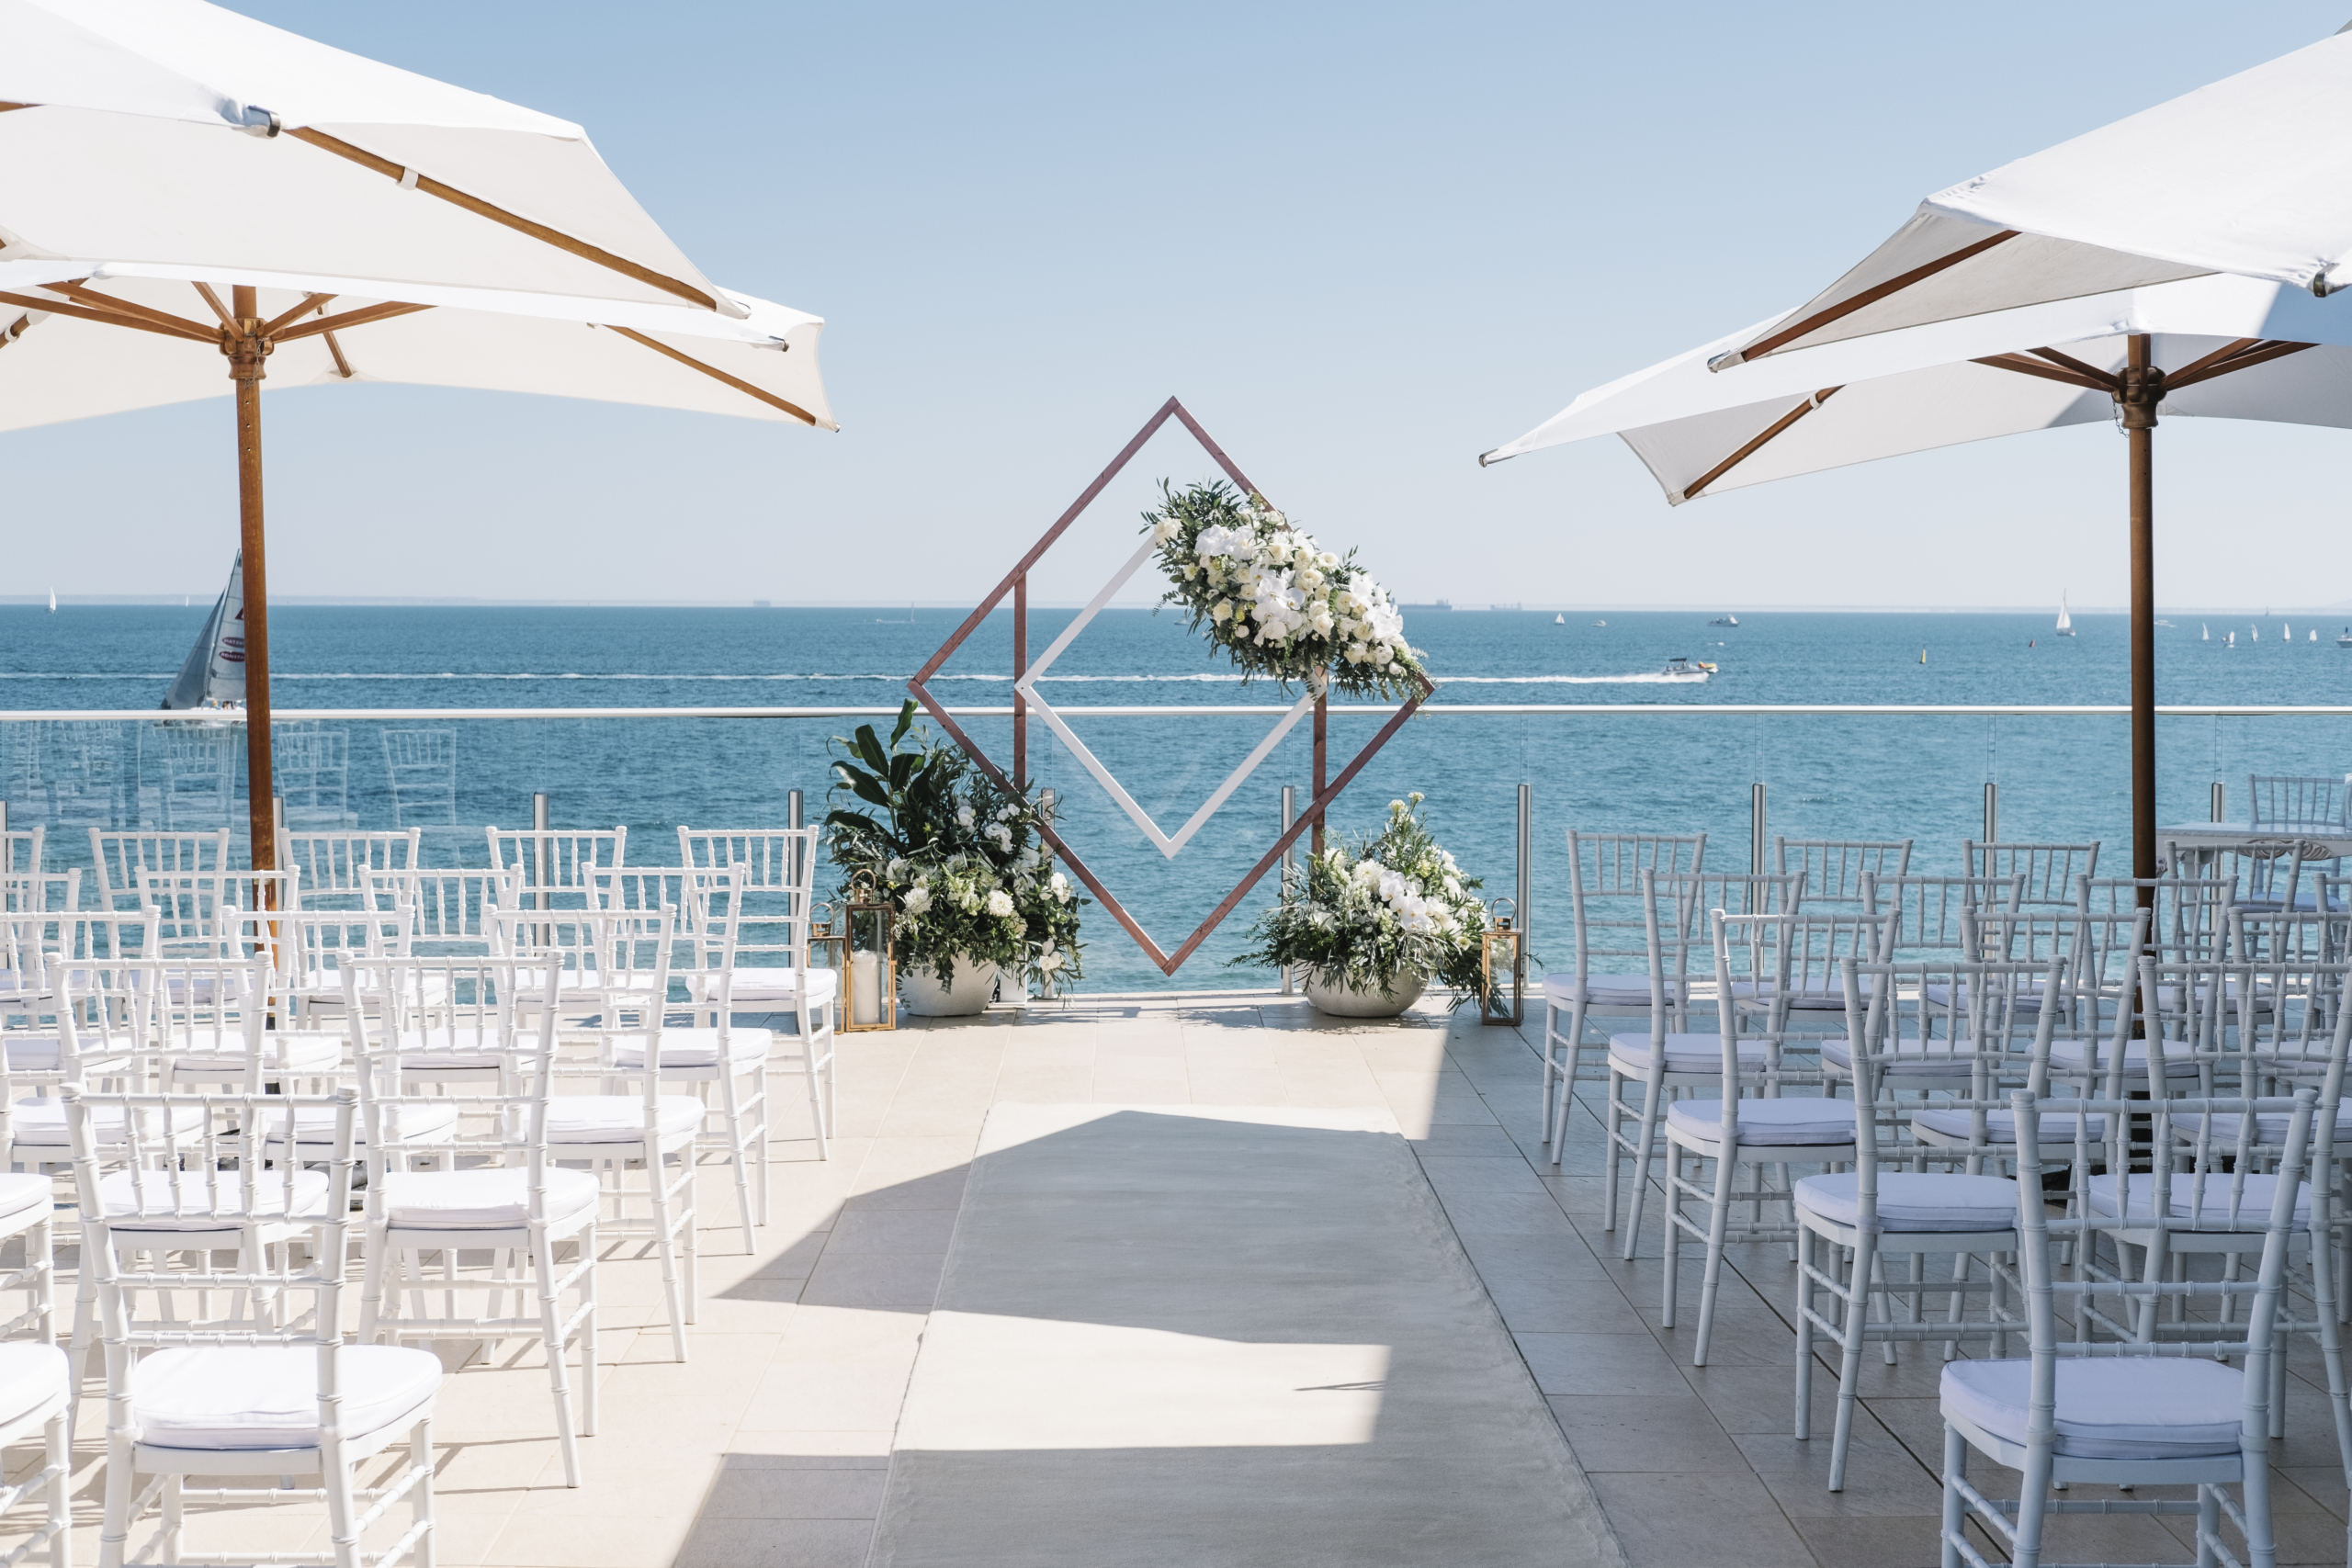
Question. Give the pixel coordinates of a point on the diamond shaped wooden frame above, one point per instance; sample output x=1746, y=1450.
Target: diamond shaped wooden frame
x=1016, y=583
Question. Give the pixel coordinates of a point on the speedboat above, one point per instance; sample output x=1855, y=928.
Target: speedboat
x=1724, y=621
x=2346, y=640
x=1680, y=669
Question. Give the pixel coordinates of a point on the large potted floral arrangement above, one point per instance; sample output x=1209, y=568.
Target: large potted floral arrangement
x=1375, y=923
x=1279, y=604
x=973, y=879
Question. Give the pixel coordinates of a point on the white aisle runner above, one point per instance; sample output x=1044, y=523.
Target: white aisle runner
x=1208, y=1337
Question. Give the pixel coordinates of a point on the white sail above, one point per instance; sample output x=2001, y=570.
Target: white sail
x=2065, y=621
x=214, y=675
x=52, y=601
x=2204, y=632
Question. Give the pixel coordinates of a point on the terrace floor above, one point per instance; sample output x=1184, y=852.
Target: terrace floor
x=790, y=1432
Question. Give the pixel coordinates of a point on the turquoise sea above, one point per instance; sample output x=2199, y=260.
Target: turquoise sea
x=1673, y=768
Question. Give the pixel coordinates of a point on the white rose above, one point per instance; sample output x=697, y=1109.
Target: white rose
x=1309, y=578
x=1357, y=652
x=1221, y=611
x=1191, y=572
x=999, y=903
x=1327, y=560
x=918, y=899
x=963, y=815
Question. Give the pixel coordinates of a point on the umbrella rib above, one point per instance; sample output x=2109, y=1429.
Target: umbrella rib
x=1870, y=295
x=309, y=302
x=2100, y=376
x=91, y=297
x=795, y=410
x=358, y=318
x=2025, y=367
x=2203, y=370
x=342, y=366
x=482, y=208
x=1750, y=450
x=2226, y=351
x=79, y=313
x=218, y=310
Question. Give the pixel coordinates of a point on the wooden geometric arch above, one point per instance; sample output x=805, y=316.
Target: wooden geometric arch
x=1016, y=584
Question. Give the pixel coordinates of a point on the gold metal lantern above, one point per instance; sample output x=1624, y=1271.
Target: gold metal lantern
x=1503, y=959
x=870, y=984
x=829, y=949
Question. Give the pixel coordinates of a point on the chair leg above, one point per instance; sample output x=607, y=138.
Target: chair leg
x=739, y=1154
x=588, y=1333
x=343, y=1512
x=58, y=1437
x=1849, y=1360
x=122, y=1486
x=1718, y=1234
x=1644, y=1140
x=2033, y=1505
x=665, y=1242
x=1673, y=1233
x=1805, y=1250
x=420, y=1500
x=559, y=1363
x=1955, y=1511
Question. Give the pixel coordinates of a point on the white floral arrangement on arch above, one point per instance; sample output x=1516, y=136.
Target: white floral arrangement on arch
x=1280, y=604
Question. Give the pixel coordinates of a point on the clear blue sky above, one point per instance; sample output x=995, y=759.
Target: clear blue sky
x=1363, y=242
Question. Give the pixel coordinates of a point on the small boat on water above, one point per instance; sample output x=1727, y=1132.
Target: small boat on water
x=2315, y=634
x=2205, y=633
x=2065, y=621
x=1559, y=620
x=212, y=682
x=2346, y=640
x=1601, y=623
x=1680, y=669
x=2163, y=622
x=52, y=601
x=2232, y=640
x=2254, y=634
x=1724, y=621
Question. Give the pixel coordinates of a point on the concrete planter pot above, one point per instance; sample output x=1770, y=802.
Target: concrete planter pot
x=920, y=993
x=1340, y=1003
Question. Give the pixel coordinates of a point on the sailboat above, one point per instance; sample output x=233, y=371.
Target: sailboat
x=2287, y=631
x=2254, y=634
x=213, y=678
x=2065, y=621
x=2205, y=633
x=2232, y=641
x=1559, y=620
x=2315, y=634
x=52, y=601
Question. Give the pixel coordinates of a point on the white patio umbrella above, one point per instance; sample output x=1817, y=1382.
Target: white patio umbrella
x=2241, y=349
x=176, y=178
x=2248, y=180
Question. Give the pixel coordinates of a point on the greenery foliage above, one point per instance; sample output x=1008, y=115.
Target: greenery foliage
x=962, y=859
x=1278, y=604
x=1394, y=904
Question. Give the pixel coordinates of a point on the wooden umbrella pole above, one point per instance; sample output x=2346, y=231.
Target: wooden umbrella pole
x=246, y=347
x=2143, y=390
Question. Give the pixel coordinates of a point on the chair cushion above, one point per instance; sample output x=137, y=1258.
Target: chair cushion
x=2123, y=1407
x=42, y=1121
x=2070, y=1057
x=461, y=1050
x=693, y=1047
x=1809, y=1121
x=1684, y=1053
x=1934, y=1064
x=267, y=1397
x=1915, y=1201
x=31, y=1375
x=1605, y=990
x=619, y=1118
x=2268, y=1127
x=179, y=1200
x=434, y=1122
x=20, y=1191
x=298, y=1051
x=2252, y=1208
x=2001, y=1126
x=778, y=985
x=480, y=1200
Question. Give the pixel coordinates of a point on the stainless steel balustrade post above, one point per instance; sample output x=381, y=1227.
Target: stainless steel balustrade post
x=542, y=847
x=1992, y=812
x=1290, y=867
x=1526, y=892
x=792, y=819
x=2219, y=797
x=1756, y=866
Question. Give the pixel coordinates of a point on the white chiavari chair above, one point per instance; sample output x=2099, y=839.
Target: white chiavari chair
x=123, y=859
x=1607, y=912
x=560, y=870
x=2049, y=869
x=269, y=1387
x=496, y=1185
x=752, y=953
x=2126, y=1415
x=1835, y=869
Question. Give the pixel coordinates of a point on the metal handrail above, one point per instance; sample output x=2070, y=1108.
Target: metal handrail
x=1250, y=710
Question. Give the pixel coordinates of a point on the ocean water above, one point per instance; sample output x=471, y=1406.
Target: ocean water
x=1673, y=767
